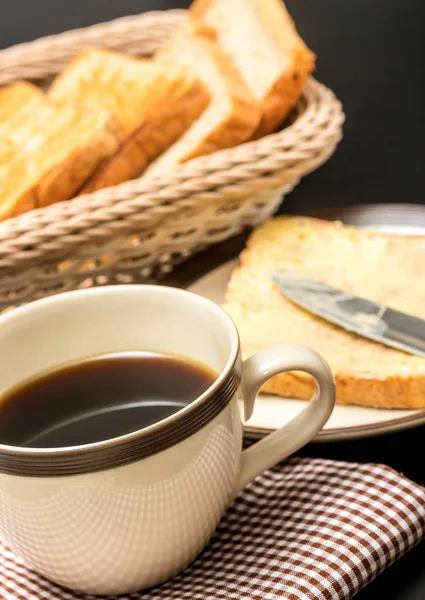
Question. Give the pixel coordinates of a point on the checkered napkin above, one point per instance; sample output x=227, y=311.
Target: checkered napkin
x=308, y=529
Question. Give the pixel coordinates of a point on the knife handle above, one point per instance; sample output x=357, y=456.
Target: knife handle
x=301, y=429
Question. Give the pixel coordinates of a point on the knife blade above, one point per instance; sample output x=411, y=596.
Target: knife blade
x=369, y=319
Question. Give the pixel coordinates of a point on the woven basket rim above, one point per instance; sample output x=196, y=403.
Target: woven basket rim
x=198, y=167
x=256, y=165
x=27, y=51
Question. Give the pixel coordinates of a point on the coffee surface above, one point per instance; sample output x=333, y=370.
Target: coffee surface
x=99, y=399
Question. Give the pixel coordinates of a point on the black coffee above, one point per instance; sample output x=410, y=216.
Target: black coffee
x=99, y=399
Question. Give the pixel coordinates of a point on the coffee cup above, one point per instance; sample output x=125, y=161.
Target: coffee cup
x=124, y=514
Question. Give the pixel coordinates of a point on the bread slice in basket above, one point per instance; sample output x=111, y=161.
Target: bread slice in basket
x=261, y=39
x=17, y=101
x=153, y=103
x=232, y=115
x=47, y=153
x=383, y=268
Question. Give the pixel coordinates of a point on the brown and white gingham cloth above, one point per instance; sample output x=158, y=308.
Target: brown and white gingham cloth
x=308, y=529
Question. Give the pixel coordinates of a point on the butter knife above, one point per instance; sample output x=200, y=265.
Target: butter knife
x=369, y=319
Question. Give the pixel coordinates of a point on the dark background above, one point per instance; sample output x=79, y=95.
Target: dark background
x=371, y=53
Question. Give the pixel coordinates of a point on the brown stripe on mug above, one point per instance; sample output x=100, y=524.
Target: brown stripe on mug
x=54, y=462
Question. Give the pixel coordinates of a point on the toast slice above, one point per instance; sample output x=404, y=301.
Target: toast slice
x=232, y=115
x=153, y=103
x=261, y=38
x=380, y=267
x=50, y=155
x=18, y=100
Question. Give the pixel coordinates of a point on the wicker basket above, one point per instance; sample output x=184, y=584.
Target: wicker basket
x=140, y=229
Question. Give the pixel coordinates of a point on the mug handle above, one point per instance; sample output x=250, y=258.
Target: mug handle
x=301, y=429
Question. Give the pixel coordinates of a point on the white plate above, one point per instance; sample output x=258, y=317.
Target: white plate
x=271, y=412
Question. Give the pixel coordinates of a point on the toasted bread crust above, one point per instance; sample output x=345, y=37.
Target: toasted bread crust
x=297, y=60
x=233, y=113
x=285, y=93
x=369, y=264
x=70, y=145
x=65, y=179
x=23, y=200
x=172, y=116
x=109, y=80
x=365, y=389
x=154, y=104
x=286, y=90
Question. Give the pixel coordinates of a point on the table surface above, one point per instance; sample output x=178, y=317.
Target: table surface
x=370, y=52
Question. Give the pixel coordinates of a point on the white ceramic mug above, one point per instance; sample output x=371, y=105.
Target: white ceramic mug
x=124, y=514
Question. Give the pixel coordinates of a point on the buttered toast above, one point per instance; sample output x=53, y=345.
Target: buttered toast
x=261, y=39
x=380, y=267
x=153, y=103
x=232, y=115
